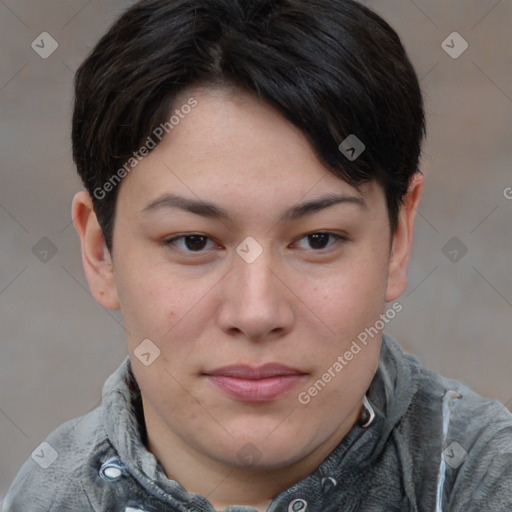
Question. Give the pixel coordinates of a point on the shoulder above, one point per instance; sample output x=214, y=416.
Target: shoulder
x=465, y=410
x=427, y=386
x=478, y=455
x=472, y=436
x=51, y=477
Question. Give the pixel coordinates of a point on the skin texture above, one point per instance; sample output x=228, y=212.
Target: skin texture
x=300, y=303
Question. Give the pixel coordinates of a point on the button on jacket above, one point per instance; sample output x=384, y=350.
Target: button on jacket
x=434, y=445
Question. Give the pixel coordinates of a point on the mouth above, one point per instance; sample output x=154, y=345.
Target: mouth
x=255, y=384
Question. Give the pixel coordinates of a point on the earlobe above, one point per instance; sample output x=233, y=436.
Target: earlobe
x=402, y=240
x=96, y=258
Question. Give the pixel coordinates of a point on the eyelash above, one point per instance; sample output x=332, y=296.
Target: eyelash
x=338, y=239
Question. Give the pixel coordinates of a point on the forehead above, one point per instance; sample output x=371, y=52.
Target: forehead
x=232, y=145
x=234, y=126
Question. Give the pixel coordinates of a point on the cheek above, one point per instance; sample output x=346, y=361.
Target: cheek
x=171, y=310
x=353, y=300
x=350, y=304
x=166, y=397
x=151, y=302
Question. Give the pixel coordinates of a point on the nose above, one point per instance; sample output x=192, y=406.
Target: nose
x=257, y=302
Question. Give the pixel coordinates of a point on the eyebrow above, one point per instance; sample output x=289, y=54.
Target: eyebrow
x=213, y=211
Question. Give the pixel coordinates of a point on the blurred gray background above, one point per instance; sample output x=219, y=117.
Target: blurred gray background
x=57, y=346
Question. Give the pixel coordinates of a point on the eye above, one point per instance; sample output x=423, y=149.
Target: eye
x=320, y=239
x=189, y=243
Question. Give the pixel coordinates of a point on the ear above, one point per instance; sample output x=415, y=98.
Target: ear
x=402, y=240
x=96, y=258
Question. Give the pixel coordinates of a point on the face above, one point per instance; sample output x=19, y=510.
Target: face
x=252, y=270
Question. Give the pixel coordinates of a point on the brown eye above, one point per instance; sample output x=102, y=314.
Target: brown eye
x=195, y=242
x=320, y=240
x=189, y=243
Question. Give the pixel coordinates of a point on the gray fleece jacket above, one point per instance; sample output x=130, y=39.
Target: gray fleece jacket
x=434, y=445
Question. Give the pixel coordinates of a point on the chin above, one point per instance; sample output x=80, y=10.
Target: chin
x=264, y=451
x=250, y=457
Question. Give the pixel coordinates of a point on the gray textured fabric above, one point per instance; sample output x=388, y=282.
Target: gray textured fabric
x=396, y=464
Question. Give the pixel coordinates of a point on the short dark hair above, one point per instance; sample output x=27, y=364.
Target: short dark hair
x=331, y=67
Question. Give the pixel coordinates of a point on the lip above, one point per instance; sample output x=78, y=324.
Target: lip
x=255, y=384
